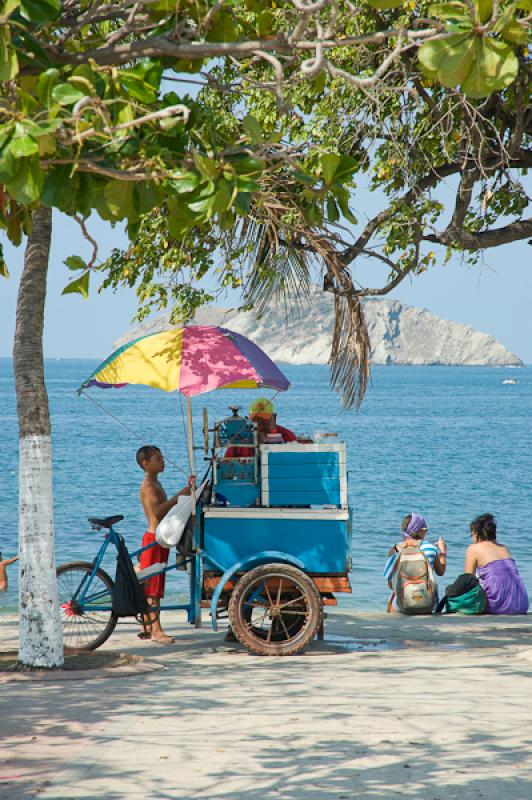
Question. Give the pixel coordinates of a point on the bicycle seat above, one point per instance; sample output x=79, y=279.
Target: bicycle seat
x=106, y=522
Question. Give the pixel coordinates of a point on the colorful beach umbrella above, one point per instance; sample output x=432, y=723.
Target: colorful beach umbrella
x=192, y=360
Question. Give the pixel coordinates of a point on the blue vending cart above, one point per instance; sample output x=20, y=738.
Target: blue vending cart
x=274, y=536
x=268, y=540
x=267, y=547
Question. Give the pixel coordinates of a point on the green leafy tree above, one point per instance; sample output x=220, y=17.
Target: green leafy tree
x=299, y=97
x=420, y=117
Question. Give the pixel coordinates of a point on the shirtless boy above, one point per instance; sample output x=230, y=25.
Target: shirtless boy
x=156, y=505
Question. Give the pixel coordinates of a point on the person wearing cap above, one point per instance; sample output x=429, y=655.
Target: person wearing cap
x=262, y=413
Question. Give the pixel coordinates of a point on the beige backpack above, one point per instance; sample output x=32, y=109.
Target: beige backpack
x=414, y=582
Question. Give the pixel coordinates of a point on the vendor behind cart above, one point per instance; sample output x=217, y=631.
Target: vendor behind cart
x=262, y=412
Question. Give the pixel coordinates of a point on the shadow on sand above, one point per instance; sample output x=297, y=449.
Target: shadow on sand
x=220, y=724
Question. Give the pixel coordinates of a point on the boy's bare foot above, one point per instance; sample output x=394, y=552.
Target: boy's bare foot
x=158, y=634
x=152, y=624
x=162, y=638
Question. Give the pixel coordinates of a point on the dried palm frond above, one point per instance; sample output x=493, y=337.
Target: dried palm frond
x=350, y=357
x=280, y=257
x=280, y=269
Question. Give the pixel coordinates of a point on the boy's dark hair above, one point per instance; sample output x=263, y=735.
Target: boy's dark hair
x=484, y=528
x=145, y=452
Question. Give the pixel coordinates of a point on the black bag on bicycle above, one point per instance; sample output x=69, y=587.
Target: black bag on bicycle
x=128, y=595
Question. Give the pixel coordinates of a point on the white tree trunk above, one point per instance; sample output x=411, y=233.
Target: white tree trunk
x=41, y=636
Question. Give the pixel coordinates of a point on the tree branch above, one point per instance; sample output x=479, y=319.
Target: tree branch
x=423, y=183
x=207, y=22
x=89, y=238
x=161, y=46
x=180, y=112
x=379, y=73
x=483, y=240
x=380, y=292
x=97, y=169
x=278, y=70
x=523, y=159
x=463, y=199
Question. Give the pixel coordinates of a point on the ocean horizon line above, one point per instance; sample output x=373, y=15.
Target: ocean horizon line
x=311, y=364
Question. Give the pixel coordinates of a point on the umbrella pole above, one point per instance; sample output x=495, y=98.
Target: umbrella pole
x=191, y=457
x=196, y=571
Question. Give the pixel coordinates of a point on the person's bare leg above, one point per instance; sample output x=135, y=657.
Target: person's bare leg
x=146, y=627
x=230, y=635
x=152, y=622
x=148, y=618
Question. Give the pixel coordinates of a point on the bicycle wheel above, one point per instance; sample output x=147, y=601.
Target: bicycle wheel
x=86, y=626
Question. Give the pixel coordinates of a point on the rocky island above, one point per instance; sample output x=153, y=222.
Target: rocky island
x=399, y=334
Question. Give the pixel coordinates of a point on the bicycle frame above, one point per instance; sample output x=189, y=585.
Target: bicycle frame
x=81, y=596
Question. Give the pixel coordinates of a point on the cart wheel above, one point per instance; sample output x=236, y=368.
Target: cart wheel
x=292, y=622
x=275, y=610
x=84, y=627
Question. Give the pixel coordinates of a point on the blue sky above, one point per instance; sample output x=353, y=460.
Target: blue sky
x=494, y=298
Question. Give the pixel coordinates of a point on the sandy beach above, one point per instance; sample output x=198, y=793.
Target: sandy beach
x=385, y=707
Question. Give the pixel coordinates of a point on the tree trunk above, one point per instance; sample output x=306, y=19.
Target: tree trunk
x=41, y=638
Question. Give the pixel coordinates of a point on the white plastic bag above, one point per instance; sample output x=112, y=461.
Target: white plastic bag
x=171, y=528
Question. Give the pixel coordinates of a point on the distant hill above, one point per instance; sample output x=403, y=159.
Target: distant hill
x=399, y=334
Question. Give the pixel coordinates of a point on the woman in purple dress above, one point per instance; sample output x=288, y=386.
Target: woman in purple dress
x=497, y=571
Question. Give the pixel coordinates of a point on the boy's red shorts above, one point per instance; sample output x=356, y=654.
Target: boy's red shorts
x=154, y=586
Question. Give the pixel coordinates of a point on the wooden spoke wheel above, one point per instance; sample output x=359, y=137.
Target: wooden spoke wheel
x=275, y=610
x=283, y=625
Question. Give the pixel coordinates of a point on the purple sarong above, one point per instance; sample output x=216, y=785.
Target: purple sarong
x=505, y=591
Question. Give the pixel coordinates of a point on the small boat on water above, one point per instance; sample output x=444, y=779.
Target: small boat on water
x=511, y=381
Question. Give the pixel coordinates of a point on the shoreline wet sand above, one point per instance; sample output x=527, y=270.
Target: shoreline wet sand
x=385, y=707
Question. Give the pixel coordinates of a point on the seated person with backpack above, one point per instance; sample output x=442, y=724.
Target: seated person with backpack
x=411, y=567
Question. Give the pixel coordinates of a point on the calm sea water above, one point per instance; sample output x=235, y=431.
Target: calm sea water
x=448, y=442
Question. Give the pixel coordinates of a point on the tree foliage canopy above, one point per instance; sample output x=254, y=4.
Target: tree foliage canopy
x=253, y=177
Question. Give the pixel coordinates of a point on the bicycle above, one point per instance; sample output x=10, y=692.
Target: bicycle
x=86, y=591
